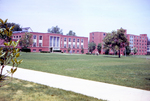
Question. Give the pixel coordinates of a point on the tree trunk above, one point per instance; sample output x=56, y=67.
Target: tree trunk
x=119, y=52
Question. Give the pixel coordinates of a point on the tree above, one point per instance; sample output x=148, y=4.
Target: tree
x=127, y=50
x=82, y=50
x=56, y=30
x=26, y=40
x=134, y=50
x=71, y=33
x=16, y=28
x=9, y=25
x=116, y=40
x=99, y=47
x=9, y=52
x=91, y=46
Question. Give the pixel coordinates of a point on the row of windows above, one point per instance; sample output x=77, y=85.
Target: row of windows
x=34, y=50
x=65, y=39
x=73, y=46
x=16, y=37
x=103, y=34
x=40, y=37
x=137, y=37
x=34, y=44
x=73, y=51
x=137, y=40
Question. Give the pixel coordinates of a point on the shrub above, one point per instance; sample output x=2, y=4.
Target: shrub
x=88, y=53
x=45, y=52
x=107, y=51
x=26, y=50
x=56, y=50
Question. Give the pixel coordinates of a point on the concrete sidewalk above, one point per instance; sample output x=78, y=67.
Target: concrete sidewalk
x=95, y=89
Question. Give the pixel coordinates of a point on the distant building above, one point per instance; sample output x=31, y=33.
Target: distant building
x=148, y=48
x=52, y=42
x=137, y=41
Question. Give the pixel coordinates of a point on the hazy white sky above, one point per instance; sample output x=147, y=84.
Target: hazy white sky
x=81, y=16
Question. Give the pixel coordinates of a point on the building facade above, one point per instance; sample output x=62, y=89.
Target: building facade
x=135, y=41
x=52, y=42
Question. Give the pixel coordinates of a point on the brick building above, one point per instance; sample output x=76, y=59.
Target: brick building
x=51, y=42
x=138, y=41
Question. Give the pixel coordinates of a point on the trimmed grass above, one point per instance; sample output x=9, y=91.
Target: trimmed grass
x=132, y=71
x=19, y=90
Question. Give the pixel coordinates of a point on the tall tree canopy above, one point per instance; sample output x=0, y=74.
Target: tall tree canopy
x=91, y=46
x=16, y=28
x=71, y=33
x=56, y=30
x=116, y=40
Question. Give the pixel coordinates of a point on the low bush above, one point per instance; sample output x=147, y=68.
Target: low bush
x=25, y=50
x=88, y=53
x=56, y=50
x=45, y=52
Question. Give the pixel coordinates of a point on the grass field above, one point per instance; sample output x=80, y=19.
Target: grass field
x=133, y=71
x=19, y=90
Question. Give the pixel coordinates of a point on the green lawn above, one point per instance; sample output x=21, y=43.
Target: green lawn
x=133, y=71
x=19, y=90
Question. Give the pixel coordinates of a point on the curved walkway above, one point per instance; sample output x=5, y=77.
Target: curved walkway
x=95, y=89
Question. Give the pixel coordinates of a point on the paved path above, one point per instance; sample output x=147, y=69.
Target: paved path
x=95, y=89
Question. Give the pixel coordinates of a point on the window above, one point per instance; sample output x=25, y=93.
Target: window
x=73, y=51
x=81, y=40
x=65, y=39
x=104, y=34
x=64, y=51
x=78, y=46
x=73, y=46
x=69, y=45
x=77, y=51
x=92, y=38
x=40, y=37
x=69, y=39
x=16, y=36
x=34, y=36
x=64, y=45
x=77, y=40
x=34, y=50
x=34, y=44
x=93, y=34
x=40, y=44
x=81, y=46
x=40, y=50
x=74, y=40
x=19, y=36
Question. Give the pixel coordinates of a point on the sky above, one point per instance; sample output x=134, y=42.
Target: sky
x=80, y=16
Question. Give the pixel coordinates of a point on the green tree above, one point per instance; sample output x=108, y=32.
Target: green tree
x=82, y=50
x=116, y=40
x=127, y=50
x=26, y=40
x=134, y=50
x=55, y=30
x=91, y=46
x=71, y=33
x=99, y=47
x=9, y=52
x=16, y=28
